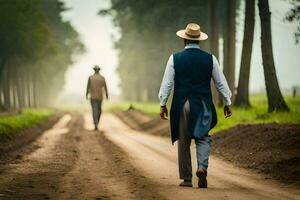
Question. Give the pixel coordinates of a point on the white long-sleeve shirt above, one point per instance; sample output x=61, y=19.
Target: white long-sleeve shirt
x=217, y=76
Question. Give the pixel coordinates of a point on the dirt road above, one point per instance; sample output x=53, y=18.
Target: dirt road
x=70, y=161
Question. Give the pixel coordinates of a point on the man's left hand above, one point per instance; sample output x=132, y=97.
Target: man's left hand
x=227, y=111
x=163, y=112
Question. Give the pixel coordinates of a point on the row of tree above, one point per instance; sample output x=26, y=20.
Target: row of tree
x=148, y=37
x=275, y=98
x=36, y=47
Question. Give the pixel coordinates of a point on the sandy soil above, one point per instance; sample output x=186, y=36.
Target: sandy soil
x=35, y=174
x=157, y=159
x=270, y=149
x=72, y=162
x=9, y=146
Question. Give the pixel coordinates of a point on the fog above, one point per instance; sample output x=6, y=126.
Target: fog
x=98, y=34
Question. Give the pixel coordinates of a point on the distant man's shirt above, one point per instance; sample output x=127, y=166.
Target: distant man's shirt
x=96, y=84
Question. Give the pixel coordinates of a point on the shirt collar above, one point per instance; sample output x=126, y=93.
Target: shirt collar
x=192, y=46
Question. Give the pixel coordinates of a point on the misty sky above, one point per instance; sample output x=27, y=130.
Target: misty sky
x=96, y=33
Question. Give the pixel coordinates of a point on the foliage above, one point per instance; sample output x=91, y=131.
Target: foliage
x=148, y=38
x=26, y=119
x=258, y=114
x=294, y=16
x=36, y=49
x=22, y=29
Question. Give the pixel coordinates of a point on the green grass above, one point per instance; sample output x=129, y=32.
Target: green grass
x=151, y=108
x=256, y=114
x=26, y=119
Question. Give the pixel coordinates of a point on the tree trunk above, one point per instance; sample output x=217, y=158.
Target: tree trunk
x=34, y=91
x=213, y=28
x=275, y=98
x=6, y=87
x=12, y=77
x=2, y=64
x=28, y=88
x=214, y=40
x=229, y=46
x=20, y=90
x=14, y=92
x=242, y=97
x=1, y=95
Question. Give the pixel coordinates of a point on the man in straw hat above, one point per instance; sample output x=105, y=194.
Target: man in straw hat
x=95, y=86
x=192, y=112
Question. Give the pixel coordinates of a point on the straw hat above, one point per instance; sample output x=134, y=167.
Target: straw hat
x=192, y=32
x=96, y=67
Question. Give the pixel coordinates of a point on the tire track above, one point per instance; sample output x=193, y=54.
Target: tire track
x=155, y=156
x=103, y=171
x=36, y=175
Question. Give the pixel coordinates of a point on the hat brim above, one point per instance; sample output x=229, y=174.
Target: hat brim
x=97, y=68
x=181, y=34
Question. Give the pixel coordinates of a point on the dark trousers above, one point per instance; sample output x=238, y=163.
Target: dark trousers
x=97, y=109
x=184, y=142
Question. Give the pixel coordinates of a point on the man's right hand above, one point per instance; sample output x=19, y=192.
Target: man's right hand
x=163, y=112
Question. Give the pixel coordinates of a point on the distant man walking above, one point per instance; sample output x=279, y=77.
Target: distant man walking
x=95, y=86
x=192, y=112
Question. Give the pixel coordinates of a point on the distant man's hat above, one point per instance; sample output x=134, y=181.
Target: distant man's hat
x=192, y=32
x=96, y=67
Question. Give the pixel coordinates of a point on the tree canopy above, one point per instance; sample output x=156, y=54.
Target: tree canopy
x=148, y=38
x=36, y=49
x=294, y=16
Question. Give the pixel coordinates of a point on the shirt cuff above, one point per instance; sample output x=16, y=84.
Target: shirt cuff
x=162, y=100
x=227, y=101
x=163, y=103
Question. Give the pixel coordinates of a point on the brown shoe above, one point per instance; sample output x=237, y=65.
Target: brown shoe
x=202, y=174
x=186, y=183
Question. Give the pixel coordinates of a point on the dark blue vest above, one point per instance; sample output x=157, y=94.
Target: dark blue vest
x=193, y=73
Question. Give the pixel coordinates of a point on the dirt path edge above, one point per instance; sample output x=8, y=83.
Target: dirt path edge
x=25, y=137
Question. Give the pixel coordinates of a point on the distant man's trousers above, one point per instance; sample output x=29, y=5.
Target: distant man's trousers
x=97, y=109
x=203, y=146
